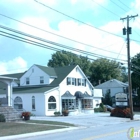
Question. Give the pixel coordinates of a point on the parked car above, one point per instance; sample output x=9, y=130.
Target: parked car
x=108, y=107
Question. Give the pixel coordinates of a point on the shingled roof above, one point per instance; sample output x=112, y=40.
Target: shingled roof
x=59, y=73
x=114, y=83
x=49, y=70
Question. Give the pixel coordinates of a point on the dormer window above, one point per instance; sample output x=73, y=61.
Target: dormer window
x=68, y=81
x=79, y=82
x=27, y=81
x=41, y=80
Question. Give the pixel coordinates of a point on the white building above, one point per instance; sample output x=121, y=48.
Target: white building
x=113, y=86
x=44, y=90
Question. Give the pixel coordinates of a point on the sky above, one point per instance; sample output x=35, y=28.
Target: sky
x=92, y=26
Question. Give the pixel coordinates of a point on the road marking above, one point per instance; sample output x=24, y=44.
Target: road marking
x=108, y=134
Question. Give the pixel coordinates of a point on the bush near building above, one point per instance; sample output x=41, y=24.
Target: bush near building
x=121, y=112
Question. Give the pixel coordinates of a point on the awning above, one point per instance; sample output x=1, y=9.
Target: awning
x=78, y=94
x=67, y=95
x=87, y=96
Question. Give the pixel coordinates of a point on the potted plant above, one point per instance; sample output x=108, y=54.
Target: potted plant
x=65, y=112
x=26, y=115
x=57, y=113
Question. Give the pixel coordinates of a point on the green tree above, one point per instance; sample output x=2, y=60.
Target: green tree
x=135, y=67
x=65, y=58
x=103, y=70
x=107, y=99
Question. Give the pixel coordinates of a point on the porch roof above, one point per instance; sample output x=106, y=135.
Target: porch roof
x=80, y=95
x=67, y=95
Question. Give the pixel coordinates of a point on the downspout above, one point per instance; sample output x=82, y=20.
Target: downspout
x=60, y=108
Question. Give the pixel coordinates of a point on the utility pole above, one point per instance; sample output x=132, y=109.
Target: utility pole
x=128, y=31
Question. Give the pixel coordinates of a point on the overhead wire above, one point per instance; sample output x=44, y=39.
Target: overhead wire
x=76, y=19
x=53, y=43
x=53, y=33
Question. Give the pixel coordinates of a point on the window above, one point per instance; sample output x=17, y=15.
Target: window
x=87, y=103
x=41, y=79
x=73, y=81
x=51, y=103
x=68, y=104
x=79, y=82
x=18, y=103
x=33, y=102
x=27, y=81
x=68, y=81
x=83, y=82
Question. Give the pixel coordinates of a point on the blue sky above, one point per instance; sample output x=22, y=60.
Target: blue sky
x=16, y=56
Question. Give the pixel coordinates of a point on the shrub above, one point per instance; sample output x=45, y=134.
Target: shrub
x=57, y=113
x=118, y=112
x=99, y=109
x=2, y=118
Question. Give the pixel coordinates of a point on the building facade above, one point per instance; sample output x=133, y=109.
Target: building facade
x=44, y=90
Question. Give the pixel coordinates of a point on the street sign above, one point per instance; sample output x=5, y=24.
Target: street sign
x=121, y=99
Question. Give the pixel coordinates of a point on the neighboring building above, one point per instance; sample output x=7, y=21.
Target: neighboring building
x=44, y=90
x=113, y=86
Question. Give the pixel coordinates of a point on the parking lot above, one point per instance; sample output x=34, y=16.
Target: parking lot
x=88, y=120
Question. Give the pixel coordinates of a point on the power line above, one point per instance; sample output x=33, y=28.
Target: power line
x=47, y=41
x=77, y=19
x=105, y=8
x=53, y=33
x=50, y=47
x=118, y=5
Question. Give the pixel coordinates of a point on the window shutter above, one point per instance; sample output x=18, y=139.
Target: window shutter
x=67, y=80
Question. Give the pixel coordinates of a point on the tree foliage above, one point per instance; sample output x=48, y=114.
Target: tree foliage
x=100, y=69
x=64, y=58
x=135, y=67
x=104, y=70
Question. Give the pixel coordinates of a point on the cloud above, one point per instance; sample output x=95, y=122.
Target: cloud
x=18, y=64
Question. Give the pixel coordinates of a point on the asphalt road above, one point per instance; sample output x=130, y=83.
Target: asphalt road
x=92, y=127
x=104, y=132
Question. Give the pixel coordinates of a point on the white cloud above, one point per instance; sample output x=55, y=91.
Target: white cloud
x=18, y=64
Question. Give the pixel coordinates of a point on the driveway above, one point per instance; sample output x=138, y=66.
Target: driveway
x=88, y=120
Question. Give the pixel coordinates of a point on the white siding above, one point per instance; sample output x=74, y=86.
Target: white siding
x=34, y=74
x=113, y=91
x=27, y=103
x=56, y=94
x=75, y=73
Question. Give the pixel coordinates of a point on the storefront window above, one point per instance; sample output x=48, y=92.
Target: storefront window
x=68, y=104
x=87, y=103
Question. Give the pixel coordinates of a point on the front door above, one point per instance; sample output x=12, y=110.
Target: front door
x=79, y=105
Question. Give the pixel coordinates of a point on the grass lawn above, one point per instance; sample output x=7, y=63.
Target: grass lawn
x=14, y=128
x=50, y=122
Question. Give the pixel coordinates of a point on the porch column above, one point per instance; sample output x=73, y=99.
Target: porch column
x=9, y=92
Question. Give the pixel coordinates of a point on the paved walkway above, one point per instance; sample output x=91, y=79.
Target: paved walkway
x=81, y=120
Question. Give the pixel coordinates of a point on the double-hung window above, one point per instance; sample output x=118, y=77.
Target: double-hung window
x=27, y=81
x=41, y=80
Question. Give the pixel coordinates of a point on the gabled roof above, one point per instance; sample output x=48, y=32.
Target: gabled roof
x=48, y=70
x=62, y=72
x=15, y=75
x=114, y=83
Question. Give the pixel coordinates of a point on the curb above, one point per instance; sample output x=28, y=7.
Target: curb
x=16, y=137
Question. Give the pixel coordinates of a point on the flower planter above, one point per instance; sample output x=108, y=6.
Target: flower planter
x=26, y=117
